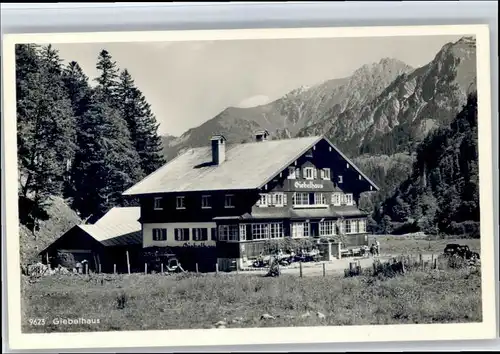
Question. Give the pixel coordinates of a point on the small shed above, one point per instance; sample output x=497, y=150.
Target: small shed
x=102, y=245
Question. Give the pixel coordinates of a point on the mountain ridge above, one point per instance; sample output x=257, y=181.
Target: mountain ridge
x=299, y=108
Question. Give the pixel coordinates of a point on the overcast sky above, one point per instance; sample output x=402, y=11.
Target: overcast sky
x=188, y=83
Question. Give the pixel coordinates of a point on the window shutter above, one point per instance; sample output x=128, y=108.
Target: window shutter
x=315, y=173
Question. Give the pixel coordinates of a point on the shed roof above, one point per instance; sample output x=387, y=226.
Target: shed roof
x=118, y=227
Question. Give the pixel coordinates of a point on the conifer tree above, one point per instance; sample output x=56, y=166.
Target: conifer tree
x=46, y=127
x=106, y=163
x=108, y=78
x=79, y=92
x=141, y=123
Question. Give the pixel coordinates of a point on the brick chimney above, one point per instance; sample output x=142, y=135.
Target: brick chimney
x=218, y=149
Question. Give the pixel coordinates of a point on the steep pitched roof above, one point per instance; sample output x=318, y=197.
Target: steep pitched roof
x=118, y=227
x=246, y=166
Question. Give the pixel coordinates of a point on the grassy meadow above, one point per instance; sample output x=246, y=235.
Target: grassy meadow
x=190, y=300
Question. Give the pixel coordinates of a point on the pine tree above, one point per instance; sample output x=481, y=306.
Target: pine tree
x=46, y=127
x=79, y=92
x=77, y=87
x=108, y=78
x=106, y=163
x=141, y=123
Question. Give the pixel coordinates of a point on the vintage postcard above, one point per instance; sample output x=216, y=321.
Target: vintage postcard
x=248, y=186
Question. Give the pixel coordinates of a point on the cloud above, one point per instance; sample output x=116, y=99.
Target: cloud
x=253, y=101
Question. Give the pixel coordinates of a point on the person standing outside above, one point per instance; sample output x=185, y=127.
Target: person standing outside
x=377, y=247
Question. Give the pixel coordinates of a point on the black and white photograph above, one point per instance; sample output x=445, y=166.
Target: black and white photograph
x=240, y=183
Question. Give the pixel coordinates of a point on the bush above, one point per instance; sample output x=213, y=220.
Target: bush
x=469, y=228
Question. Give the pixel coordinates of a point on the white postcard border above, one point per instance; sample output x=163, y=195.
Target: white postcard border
x=204, y=337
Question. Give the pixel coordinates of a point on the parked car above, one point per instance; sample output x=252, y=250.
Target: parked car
x=463, y=251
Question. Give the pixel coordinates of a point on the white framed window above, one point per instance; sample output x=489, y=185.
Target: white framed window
x=300, y=198
x=206, y=202
x=157, y=203
x=320, y=199
x=260, y=231
x=229, y=201
x=327, y=228
x=362, y=226
x=348, y=226
x=325, y=174
x=159, y=234
x=263, y=201
x=340, y=179
x=180, y=203
x=243, y=232
x=278, y=199
x=348, y=199
x=200, y=234
x=337, y=199
x=291, y=173
x=181, y=234
x=309, y=173
x=276, y=230
x=300, y=229
x=354, y=226
x=228, y=232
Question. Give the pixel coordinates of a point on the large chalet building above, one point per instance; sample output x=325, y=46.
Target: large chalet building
x=234, y=197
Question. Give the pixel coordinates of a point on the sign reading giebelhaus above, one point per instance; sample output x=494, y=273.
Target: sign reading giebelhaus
x=310, y=185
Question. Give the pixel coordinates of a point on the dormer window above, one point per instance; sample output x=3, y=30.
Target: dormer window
x=348, y=199
x=180, y=203
x=229, y=201
x=157, y=203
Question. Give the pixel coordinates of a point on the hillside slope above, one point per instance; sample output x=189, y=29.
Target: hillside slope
x=442, y=192
x=59, y=219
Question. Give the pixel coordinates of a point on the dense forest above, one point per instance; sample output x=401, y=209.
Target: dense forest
x=441, y=195
x=80, y=140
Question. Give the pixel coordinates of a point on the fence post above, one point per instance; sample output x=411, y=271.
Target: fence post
x=435, y=263
x=216, y=267
x=128, y=263
x=145, y=268
x=300, y=268
x=196, y=267
x=324, y=269
x=114, y=268
x=87, y=269
x=162, y=268
x=99, y=268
